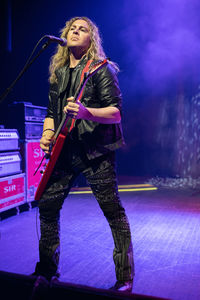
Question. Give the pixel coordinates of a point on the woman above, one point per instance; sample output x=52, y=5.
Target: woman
x=89, y=148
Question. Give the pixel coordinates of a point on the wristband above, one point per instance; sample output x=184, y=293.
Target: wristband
x=48, y=129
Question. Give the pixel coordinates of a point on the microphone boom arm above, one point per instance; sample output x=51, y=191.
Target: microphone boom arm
x=27, y=65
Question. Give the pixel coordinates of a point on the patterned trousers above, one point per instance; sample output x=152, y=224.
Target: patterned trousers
x=101, y=176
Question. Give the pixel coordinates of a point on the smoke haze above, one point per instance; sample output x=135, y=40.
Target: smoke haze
x=162, y=40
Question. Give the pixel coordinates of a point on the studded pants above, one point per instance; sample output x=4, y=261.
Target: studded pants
x=101, y=176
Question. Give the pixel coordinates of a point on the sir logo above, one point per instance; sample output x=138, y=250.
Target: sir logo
x=9, y=188
x=37, y=152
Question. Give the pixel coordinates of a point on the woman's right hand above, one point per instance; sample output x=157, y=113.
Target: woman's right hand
x=45, y=141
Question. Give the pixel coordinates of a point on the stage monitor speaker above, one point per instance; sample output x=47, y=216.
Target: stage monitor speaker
x=23, y=287
x=61, y=290
x=16, y=286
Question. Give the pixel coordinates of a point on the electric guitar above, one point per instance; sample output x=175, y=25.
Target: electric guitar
x=64, y=128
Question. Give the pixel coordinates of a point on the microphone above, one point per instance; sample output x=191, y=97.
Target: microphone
x=62, y=42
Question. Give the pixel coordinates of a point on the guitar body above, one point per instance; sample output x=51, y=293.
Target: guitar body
x=63, y=130
x=50, y=165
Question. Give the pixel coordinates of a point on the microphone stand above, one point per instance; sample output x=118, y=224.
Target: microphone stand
x=27, y=65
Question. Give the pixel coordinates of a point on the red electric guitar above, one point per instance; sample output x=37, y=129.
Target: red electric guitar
x=65, y=127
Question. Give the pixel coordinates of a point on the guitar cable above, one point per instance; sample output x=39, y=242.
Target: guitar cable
x=45, y=156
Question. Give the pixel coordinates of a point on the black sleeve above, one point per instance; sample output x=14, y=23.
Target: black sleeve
x=107, y=86
x=52, y=96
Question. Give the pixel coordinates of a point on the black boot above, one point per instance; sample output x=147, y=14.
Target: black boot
x=40, y=270
x=123, y=286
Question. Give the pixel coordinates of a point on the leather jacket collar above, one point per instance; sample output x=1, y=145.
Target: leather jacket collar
x=63, y=76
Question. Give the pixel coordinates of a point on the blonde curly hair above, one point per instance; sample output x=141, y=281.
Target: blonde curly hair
x=95, y=51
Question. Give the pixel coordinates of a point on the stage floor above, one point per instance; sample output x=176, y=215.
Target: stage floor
x=165, y=226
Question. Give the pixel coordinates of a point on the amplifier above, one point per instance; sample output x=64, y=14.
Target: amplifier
x=26, y=118
x=10, y=163
x=26, y=111
x=32, y=130
x=9, y=139
x=34, y=113
x=12, y=191
x=32, y=155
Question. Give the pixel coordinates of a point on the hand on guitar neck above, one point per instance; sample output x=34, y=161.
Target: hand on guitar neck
x=104, y=115
x=76, y=110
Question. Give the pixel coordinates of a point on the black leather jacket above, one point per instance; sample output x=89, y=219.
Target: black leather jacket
x=101, y=90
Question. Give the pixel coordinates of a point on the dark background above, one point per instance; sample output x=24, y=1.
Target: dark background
x=156, y=44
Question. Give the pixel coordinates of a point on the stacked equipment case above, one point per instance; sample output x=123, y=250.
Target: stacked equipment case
x=12, y=180
x=28, y=120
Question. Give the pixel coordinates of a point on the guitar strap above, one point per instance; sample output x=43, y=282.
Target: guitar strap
x=86, y=69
